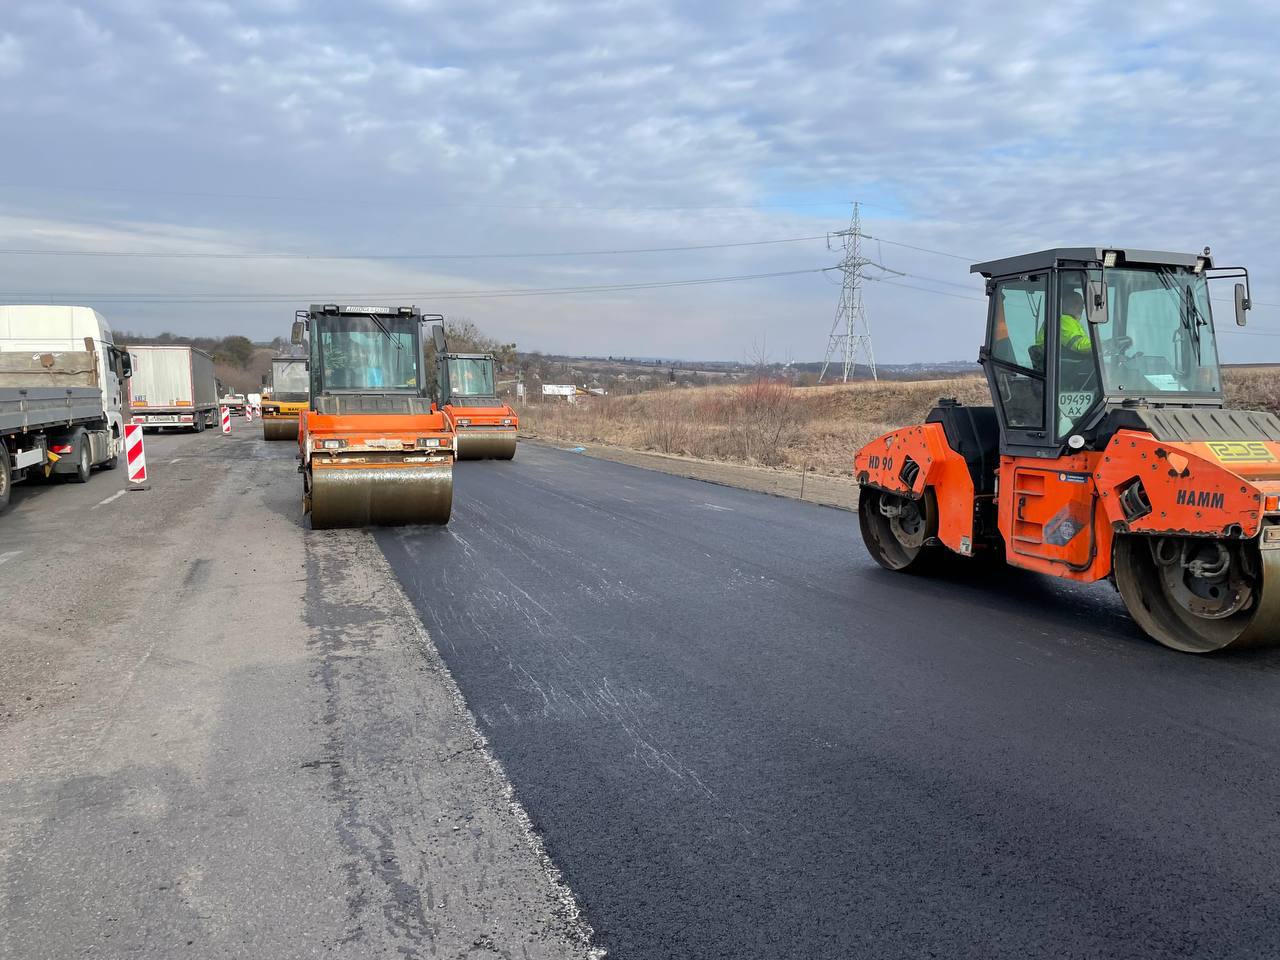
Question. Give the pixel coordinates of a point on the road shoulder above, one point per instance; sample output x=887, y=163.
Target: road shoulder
x=231, y=736
x=828, y=491
x=440, y=853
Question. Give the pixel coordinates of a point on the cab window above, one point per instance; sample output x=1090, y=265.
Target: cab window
x=1017, y=347
x=1017, y=335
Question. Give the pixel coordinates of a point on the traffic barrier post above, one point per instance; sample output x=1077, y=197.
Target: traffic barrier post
x=135, y=457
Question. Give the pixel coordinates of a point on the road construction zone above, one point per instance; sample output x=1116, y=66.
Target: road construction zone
x=423, y=695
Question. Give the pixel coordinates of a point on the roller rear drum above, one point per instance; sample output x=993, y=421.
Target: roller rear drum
x=380, y=495
x=486, y=445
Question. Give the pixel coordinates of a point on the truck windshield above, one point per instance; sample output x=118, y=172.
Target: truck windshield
x=470, y=377
x=289, y=380
x=359, y=353
x=1160, y=336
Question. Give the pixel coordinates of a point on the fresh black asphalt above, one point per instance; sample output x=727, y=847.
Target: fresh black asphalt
x=740, y=738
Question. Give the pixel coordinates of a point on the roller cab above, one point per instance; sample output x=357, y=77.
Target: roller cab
x=375, y=450
x=1107, y=452
x=285, y=399
x=465, y=389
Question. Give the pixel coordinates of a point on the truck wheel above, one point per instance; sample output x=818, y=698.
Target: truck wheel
x=112, y=461
x=197, y=425
x=84, y=465
x=5, y=480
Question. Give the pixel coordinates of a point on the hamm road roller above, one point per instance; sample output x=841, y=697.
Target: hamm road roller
x=486, y=426
x=290, y=389
x=374, y=450
x=1108, y=450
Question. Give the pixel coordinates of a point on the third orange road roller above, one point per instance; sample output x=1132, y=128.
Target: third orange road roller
x=1108, y=451
x=374, y=450
x=466, y=391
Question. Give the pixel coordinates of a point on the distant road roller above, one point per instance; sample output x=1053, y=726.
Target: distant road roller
x=1108, y=451
x=288, y=394
x=374, y=450
x=465, y=389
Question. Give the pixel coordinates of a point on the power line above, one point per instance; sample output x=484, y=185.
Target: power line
x=214, y=298
x=940, y=253
x=397, y=256
x=449, y=204
x=940, y=293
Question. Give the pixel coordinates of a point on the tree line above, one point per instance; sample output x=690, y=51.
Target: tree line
x=234, y=351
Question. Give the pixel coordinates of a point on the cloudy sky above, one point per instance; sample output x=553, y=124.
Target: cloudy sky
x=432, y=136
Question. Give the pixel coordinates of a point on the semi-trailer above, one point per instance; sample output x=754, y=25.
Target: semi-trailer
x=62, y=403
x=173, y=386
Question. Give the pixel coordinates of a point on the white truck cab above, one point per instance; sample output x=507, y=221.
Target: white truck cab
x=40, y=328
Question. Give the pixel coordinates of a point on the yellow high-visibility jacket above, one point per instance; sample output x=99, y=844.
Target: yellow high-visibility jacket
x=1072, y=332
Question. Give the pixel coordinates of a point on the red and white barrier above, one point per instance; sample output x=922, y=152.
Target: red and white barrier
x=248, y=413
x=134, y=454
x=226, y=419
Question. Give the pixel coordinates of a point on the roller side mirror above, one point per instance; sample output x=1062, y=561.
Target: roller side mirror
x=1242, y=304
x=1096, y=302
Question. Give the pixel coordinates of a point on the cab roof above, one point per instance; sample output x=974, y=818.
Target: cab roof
x=1055, y=256
x=340, y=309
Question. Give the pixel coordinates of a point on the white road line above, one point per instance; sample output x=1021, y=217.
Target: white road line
x=175, y=460
x=716, y=506
x=9, y=555
x=115, y=496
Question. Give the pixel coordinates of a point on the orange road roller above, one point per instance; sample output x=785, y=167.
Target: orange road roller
x=1108, y=451
x=465, y=390
x=374, y=450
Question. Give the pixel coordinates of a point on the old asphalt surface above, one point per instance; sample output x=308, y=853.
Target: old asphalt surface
x=224, y=735
x=706, y=711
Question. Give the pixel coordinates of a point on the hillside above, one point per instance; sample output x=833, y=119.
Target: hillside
x=770, y=423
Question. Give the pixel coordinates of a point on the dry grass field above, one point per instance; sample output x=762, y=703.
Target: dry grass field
x=795, y=428
x=761, y=423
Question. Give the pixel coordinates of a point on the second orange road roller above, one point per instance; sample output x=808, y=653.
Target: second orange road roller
x=1108, y=451
x=374, y=450
x=466, y=390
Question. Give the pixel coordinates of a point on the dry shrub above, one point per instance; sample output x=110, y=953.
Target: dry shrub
x=667, y=432
x=761, y=415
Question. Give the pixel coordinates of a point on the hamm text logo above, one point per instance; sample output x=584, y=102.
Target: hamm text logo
x=1200, y=498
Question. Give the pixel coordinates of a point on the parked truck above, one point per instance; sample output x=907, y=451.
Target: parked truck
x=173, y=386
x=62, y=402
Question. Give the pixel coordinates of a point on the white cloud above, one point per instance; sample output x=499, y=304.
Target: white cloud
x=11, y=59
x=483, y=125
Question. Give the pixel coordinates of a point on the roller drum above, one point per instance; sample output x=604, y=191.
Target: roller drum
x=486, y=444
x=280, y=429
x=1177, y=619
x=380, y=495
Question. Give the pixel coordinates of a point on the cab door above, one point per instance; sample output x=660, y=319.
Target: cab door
x=1014, y=358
